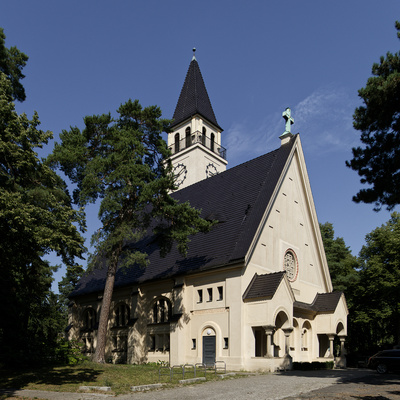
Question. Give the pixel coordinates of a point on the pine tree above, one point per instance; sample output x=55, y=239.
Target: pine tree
x=378, y=161
x=124, y=162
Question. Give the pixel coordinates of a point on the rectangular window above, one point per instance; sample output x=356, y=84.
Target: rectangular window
x=160, y=342
x=226, y=342
x=193, y=344
x=210, y=294
x=152, y=344
x=166, y=342
x=200, y=296
x=220, y=293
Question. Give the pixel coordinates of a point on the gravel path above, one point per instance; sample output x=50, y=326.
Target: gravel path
x=293, y=385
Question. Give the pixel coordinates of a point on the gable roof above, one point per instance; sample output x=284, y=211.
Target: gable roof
x=238, y=197
x=194, y=98
x=262, y=286
x=323, y=303
x=266, y=285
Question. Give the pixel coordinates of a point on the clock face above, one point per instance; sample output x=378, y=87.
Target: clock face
x=180, y=173
x=211, y=170
x=290, y=265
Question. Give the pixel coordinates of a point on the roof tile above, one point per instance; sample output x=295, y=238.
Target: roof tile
x=240, y=194
x=194, y=98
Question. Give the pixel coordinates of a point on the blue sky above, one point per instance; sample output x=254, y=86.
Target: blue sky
x=256, y=57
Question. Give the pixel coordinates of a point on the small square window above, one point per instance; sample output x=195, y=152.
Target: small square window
x=200, y=296
x=193, y=344
x=220, y=293
x=226, y=342
x=210, y=294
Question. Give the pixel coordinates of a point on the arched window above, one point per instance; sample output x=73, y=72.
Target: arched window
x=176, y=144
x=121, y=315
x=161, y=311
x=305, y=336
x=212, y=141
x=203, y=136
x=89, y=319
x=187, y=137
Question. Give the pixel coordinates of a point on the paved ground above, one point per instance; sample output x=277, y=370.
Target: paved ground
x=351, y=384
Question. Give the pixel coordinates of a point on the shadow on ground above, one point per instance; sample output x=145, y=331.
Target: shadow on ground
x=20, y=379
x=352, y=384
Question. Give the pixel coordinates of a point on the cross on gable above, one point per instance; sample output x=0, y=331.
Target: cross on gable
x=289, y=120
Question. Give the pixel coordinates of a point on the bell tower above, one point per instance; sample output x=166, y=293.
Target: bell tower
x=195, y=139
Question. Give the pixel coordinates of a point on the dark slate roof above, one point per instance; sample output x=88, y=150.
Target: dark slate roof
x=262, y=286
x=323, y=303
x=194, y=98
x=327, y=302
x=238, y=197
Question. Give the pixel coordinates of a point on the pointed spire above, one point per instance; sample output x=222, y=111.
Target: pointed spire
x=194, y=97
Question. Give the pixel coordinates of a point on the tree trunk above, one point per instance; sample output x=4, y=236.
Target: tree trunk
x=99, y=355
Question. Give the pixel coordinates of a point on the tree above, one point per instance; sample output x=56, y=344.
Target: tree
x=343, y=268
x=342, y=264
x=378, y=162
x=36, y=218
x=377, y=310
x=124, y=162
x=11, y=63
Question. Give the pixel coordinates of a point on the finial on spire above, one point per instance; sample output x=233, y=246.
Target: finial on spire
x=287, y=115
x=194, y=53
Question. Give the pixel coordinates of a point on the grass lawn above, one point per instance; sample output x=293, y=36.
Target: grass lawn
x=68, y=378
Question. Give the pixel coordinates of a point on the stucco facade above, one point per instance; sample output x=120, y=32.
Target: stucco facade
x=255, y=292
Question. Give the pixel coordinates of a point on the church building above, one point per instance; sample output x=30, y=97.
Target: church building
x=255, y=292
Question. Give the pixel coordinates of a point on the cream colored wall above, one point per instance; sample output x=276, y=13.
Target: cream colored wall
x=224, y=317
x=196, y=125
x=263, y=313
x=290, y=224
x=197, y=157
x=328, y=323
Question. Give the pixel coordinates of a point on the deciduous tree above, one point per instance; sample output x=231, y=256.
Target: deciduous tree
x=378, y=160
x=124, y=162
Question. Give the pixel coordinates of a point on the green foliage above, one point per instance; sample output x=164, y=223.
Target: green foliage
x=377, y=310
x=124, y=163
x=377, y=162
x=342, y=264
x=36, y=218
x=11, y=63
x=69, y=352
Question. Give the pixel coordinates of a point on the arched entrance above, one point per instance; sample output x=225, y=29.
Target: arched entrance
x=280, y=338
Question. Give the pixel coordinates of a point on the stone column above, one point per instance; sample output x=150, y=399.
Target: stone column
x=287, y=332
x=340, y=362
x=331, y=338
x=269, y=330
x=342, y=348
